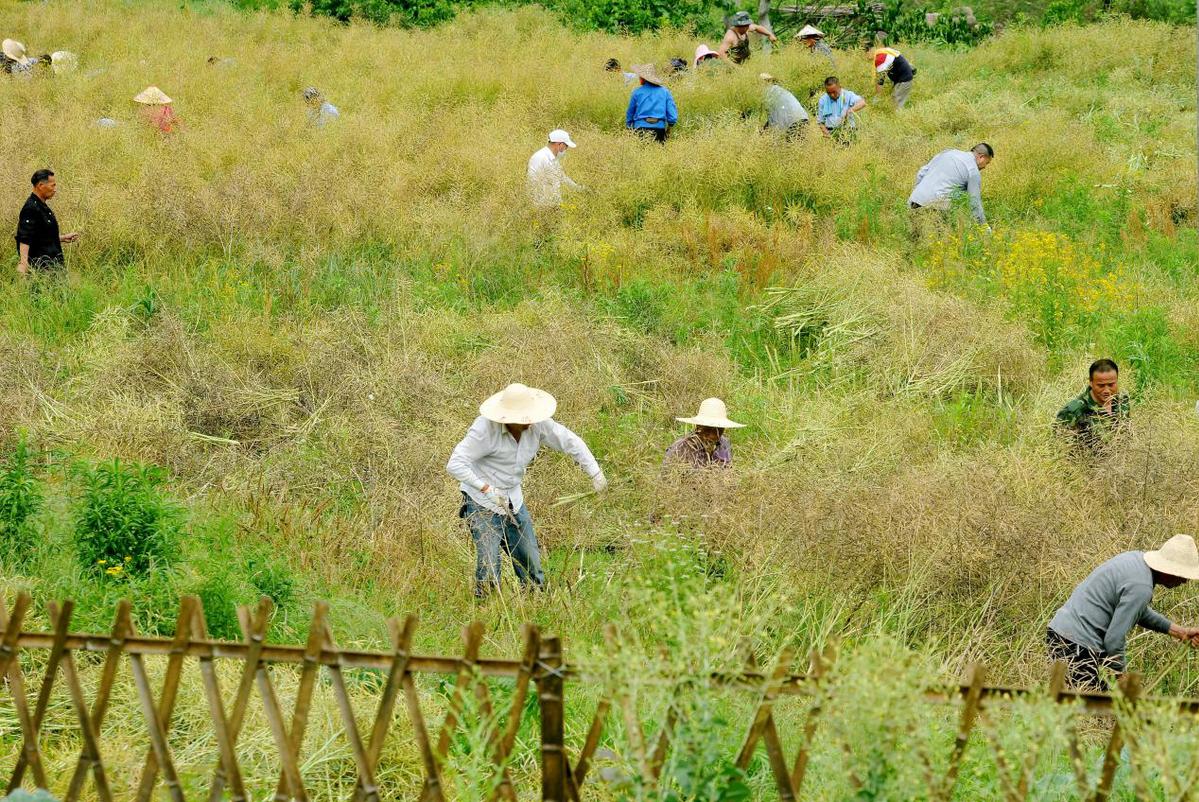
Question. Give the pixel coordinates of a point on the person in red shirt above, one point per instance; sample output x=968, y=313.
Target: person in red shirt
x=157, y=109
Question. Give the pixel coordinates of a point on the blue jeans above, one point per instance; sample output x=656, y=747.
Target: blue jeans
x=493, y=532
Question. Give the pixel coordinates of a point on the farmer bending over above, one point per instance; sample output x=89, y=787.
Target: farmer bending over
x=1090, y=629
x=836, y=108
x=707, y=445
x=951, y=172
x=490, y=463
x=1100, y=410
x=890, y=63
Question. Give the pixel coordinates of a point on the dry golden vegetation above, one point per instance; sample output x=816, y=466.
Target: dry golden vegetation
x=297, y=324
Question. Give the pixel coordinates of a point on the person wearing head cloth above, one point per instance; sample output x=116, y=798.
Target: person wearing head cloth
x=890, y=63
x=735, y=44
x=613, y=65
x=545, y=174
x=813, y=39
x=320, y=111
x=1089, y=631
x=16, y=60
x=490, y=464
x=704, y=53
x=707, y=445
x=651, y=109
x=157, y=109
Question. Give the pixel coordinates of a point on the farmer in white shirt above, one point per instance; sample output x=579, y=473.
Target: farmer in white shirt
x=546, y=175
x=490, y=463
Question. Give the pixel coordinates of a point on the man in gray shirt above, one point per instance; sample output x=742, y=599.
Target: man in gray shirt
x=784, y=113
x=1090, y=629
x=950, y=172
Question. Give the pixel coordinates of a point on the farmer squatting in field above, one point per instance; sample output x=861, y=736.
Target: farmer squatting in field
x=1100, y=410
x=707, y=445
x=490, y=464
x=1089, y=631
x=784, y=113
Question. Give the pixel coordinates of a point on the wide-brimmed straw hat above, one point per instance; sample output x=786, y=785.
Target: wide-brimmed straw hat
x=517, y=403
x=765, y=76
x=15, y=51
x=702, y=52
x=647, y=73
x=809, y=30
x=151, y=96
x=742, y=18
x=1177, y=557
x=712, y=413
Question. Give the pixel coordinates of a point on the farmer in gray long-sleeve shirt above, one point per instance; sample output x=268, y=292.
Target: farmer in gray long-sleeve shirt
x=950, y=172
x=1090, y=629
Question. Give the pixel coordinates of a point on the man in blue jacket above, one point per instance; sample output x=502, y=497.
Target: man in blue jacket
x=651, y=107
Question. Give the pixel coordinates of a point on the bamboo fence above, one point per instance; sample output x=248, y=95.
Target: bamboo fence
x=540, y=667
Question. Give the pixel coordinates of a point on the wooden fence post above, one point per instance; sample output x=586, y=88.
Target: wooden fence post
x=549, y=699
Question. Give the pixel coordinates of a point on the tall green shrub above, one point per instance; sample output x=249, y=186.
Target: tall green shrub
x=124, y=524
x=21, y=497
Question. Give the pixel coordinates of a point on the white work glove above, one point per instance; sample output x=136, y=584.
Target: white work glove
x=599, y=482
x=497, y=498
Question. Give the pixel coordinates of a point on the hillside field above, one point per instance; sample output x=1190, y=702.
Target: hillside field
x=293, y=326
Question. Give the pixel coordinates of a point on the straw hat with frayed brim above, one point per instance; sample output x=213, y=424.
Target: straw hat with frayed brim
x=647, y=73
x=519, y=404
x=714, y=414
x=1177, y=557
x=151, y=96
x=809, y=30
x=14, y=50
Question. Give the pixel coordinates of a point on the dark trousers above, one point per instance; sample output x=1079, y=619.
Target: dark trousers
x=1082, y=664
x=656, y=134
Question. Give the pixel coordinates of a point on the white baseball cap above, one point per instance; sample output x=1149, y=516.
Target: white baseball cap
x=558, y=135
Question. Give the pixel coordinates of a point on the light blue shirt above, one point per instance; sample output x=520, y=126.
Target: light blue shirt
x=831, y=113
x=324, y=114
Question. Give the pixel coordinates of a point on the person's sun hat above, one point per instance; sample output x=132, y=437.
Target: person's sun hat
x=519, y=404
x=767, y=77
x=809, y=31
x=883, y=61
x=151, y=96
x=712, y=413
x=647, y=73
x=702, y=52
x=15, y=51
x=1177, y=557
x=742, y=18
x=560, y=136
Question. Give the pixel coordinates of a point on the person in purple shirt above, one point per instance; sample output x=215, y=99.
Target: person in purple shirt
x=707, y=445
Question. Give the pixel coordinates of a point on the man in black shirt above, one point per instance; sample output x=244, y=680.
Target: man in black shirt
x=39, y=245
x=890, y=63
